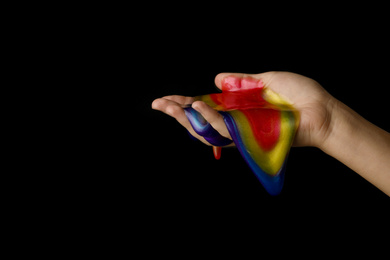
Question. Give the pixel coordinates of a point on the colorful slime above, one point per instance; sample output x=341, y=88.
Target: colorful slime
x=261, y=124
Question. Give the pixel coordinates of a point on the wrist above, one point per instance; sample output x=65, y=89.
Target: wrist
x=347, y=132
x=322, y=134
x=338, y=124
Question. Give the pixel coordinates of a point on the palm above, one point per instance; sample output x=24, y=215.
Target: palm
x=309, y=98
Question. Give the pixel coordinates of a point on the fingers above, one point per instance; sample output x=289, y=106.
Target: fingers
x=175, y=110
x=182, y=100
x=161, y=103
x=172, y=105
x=172, y=108
x=213, y=117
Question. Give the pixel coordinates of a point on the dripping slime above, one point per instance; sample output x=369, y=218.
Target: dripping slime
x=261, y=124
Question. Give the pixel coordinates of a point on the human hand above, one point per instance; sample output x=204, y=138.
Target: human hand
x=304, y=94
x=325, y=123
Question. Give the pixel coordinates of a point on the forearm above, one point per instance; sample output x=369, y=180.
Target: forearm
x=362, y=146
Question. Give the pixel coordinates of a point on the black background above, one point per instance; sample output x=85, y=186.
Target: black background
x=99, y=165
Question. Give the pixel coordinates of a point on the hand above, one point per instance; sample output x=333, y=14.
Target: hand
x=304, y=94
x=325, y=123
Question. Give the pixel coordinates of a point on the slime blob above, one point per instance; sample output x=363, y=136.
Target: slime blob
x=261, y=124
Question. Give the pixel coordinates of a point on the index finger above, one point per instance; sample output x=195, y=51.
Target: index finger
x=182, y=100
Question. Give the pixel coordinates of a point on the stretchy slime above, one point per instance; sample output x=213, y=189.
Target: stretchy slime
x=261, y=124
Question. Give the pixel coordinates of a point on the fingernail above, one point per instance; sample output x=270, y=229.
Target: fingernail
x=196, y=107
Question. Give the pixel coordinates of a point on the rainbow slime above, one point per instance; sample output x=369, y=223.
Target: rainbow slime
x=261, y=124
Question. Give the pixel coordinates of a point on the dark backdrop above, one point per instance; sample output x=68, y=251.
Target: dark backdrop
x=112, y=170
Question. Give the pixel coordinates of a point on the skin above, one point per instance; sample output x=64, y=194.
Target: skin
x=325, y=123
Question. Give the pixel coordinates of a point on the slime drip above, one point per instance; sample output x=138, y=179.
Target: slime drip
x=261, y=124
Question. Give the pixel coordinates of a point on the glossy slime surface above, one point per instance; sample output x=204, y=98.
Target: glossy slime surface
x=261, y=124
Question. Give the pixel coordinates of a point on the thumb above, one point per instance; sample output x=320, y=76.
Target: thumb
x=237, y=81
